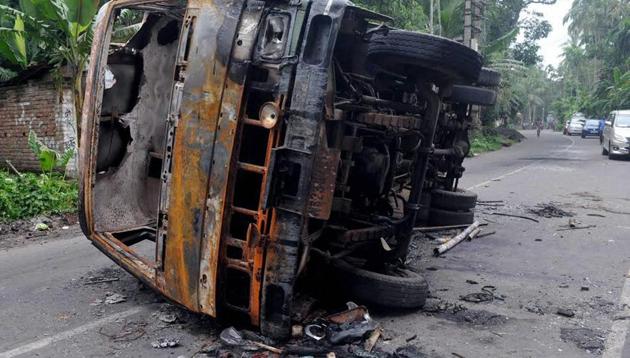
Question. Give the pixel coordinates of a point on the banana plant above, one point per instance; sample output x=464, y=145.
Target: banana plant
x=13, y=44
x=49, y=159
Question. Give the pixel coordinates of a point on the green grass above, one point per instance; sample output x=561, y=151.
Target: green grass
x=32, y=194
x=487, y=141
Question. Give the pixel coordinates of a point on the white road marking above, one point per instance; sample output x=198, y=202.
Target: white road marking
x=619, y=330
x=500, y=177
x=67, y=334
x=517, y=170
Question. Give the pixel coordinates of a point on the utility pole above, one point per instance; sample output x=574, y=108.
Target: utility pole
x=431, y=16
x=435, y=9
x=473, y=17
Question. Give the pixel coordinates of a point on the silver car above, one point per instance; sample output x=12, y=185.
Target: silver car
x=616, y=135
x=575, y=125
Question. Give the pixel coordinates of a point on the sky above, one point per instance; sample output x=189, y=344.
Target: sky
x=551, y=46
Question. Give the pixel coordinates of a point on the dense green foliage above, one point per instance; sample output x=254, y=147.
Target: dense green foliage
x=407, y=14
x=49, y=159
x=488, y=140
x=45, y=31
x=594, y=76
x=30, y=194
x=534, y=29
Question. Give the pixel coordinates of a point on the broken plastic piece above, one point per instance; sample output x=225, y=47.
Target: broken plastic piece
x=315, y=331
x=115, y=298
x=165, y=343
x=231, y=337
x=354, y=313
x=352, y=331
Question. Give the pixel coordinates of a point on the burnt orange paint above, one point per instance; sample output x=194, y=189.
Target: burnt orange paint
x=189, y=253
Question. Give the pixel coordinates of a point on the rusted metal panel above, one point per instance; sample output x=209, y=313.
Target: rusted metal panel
x=323, y=182
x=194, y=156
x=365, y=234
x=388, y=120
x=230, y=112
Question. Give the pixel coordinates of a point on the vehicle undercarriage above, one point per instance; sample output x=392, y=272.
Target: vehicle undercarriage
x=255, y=142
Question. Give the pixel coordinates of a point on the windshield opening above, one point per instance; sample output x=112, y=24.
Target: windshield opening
x=622, y=121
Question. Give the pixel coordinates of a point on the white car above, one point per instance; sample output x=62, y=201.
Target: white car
x=616, y=135
x=575, y=126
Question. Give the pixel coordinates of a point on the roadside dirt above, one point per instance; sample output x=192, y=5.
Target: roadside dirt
x=24, y=232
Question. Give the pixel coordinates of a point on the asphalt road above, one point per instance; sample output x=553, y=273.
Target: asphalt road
x=48, y=308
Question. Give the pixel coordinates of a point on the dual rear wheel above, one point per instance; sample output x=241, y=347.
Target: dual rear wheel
x=444, y=62
x=452, y=207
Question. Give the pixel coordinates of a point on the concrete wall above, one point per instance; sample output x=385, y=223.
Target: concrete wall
x=43, y=106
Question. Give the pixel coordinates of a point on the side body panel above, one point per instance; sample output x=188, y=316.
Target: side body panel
x=214, y=70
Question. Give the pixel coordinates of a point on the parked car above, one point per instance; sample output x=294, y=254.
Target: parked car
x=591, y=128
x=575, y=125
x=616, y=135
x=255, y=142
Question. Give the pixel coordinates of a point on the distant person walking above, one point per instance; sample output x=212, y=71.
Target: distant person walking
x=539, y=126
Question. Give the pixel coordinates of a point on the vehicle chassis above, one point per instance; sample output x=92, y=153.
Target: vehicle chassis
x=234, y=223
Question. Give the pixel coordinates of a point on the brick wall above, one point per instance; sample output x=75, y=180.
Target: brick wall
x=42, y=106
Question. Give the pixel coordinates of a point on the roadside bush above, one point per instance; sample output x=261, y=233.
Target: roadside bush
x=29, y=194
x=487, y=140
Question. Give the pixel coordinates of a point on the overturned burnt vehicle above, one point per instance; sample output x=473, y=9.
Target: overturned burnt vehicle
x=248, y=142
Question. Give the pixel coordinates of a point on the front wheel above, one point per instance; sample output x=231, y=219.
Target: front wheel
x=610, y=155
x=453, y=200
x=399, y=287
x=441, y=217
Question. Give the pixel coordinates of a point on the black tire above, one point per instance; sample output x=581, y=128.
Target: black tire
x=419, y=50
x=441, y=217
x=409, y=290
x=472, y=95
x=453, y=200
x=489, y=77
x=610, y=155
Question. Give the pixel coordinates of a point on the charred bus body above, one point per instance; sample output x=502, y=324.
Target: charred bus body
x=249, y=142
